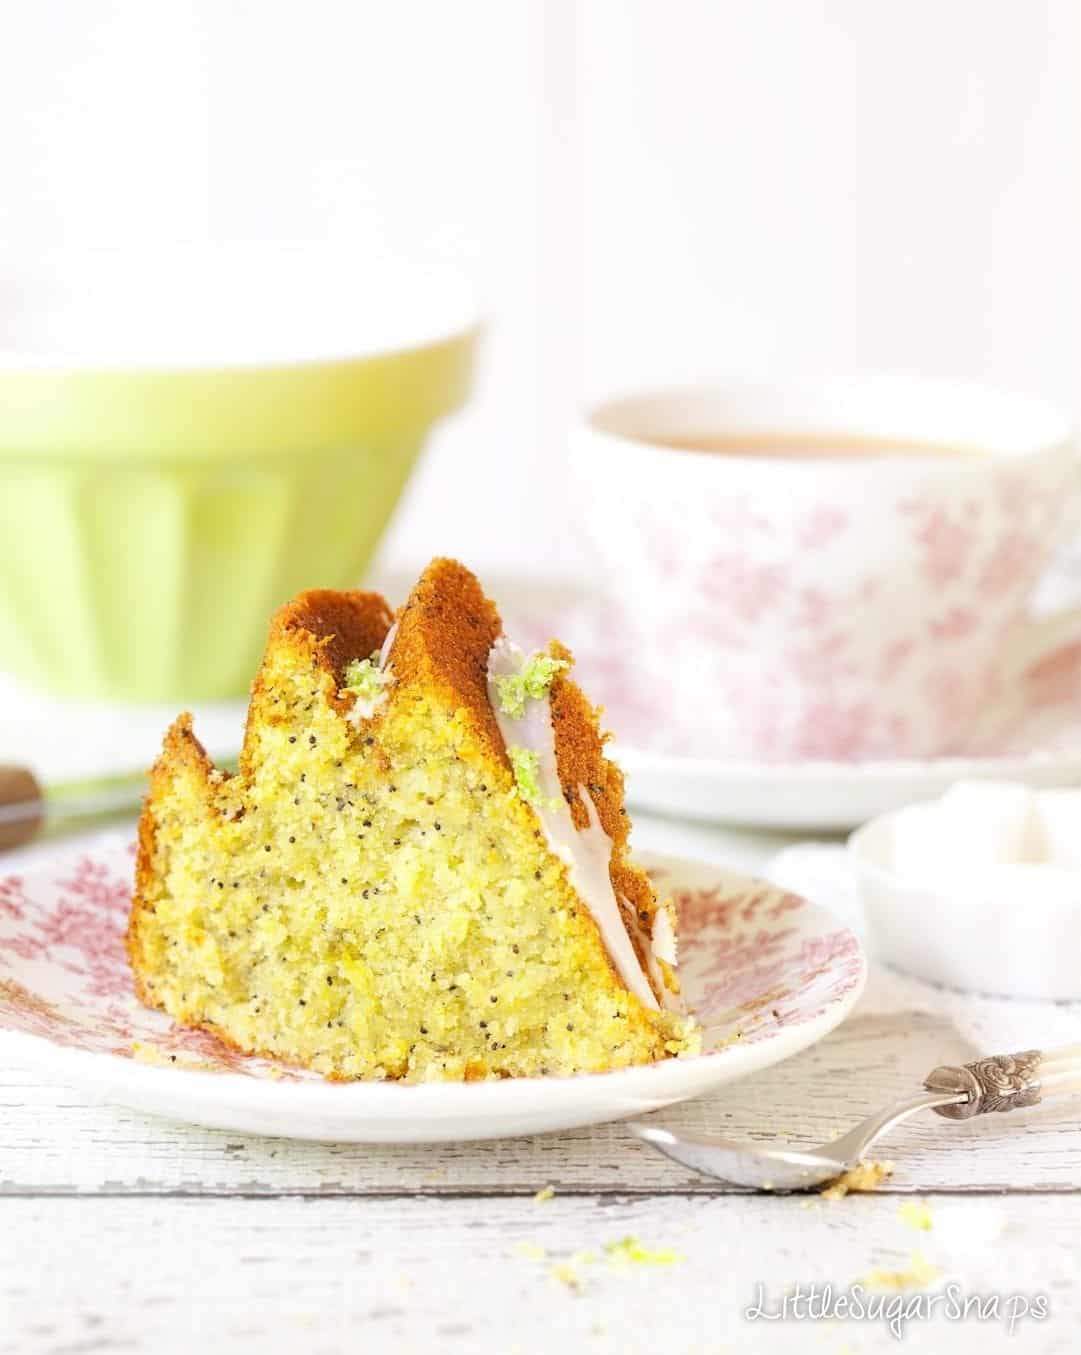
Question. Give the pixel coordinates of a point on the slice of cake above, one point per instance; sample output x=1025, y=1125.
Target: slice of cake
x=420, y=870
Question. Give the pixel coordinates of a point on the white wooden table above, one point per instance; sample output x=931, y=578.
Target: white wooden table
x=123, y=1233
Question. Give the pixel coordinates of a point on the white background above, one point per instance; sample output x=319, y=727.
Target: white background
x=641, y=192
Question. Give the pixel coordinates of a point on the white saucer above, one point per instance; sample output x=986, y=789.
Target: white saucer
x=819, y=796
x=1038, y=742
x=766, y=972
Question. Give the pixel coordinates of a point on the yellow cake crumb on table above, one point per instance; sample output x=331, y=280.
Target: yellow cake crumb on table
x=863, y=1177
x=544, y=1194
x=529, y=1251
x=571, y=1272
x=919, y=1274
x=917, y=1214
x=629, y=1251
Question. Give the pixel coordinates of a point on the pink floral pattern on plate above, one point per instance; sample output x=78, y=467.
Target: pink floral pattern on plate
x=756, y=961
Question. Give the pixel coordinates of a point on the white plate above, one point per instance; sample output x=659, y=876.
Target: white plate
x=819, y=796
x=767, y=972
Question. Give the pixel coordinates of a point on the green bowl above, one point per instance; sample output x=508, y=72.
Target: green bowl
x=155, y=510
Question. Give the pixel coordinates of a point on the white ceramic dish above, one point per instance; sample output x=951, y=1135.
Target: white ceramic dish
x=820, y=796
x=975, y=932
x=767, y=972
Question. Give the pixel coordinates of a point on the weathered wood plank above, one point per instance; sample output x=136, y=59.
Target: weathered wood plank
x=450, y=1275
x=58, y=1141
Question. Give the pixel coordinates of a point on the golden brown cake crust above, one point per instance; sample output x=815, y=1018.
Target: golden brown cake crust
x=445, y=633
x=331, y=628
x=349, y=625
x=581, y=762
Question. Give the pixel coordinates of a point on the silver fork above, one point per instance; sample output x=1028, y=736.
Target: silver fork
x=996, y=1083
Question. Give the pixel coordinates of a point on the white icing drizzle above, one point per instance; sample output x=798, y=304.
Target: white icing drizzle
x=384, y=651
x=586, y=852
x=664, y=937
x=364, y=707
x=659, y=945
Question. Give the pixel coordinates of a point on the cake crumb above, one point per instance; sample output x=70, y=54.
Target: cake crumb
x=544, y=1195
x=919, y=1275
x=624, y=1252
x=916, y=1214
x=629, y=1251
x=570, y=1271
x=529, y=1251
x=145, y=1051
x=864, y=1176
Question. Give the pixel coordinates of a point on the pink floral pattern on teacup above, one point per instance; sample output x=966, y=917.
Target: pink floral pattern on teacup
x=754, y=960
x=825, y=611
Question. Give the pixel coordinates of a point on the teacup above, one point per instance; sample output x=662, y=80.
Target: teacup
x=845, y=570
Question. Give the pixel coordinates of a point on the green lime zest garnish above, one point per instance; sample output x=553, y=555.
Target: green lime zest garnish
x=530, y=684
x=526, y=767
x=366, y=680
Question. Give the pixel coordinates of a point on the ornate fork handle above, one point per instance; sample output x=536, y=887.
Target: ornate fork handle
x=1006, y=1081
